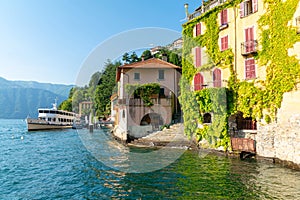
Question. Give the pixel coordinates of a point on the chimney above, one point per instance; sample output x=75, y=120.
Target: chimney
x=143, y=57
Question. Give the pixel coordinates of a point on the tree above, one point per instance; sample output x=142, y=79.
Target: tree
x=126, y=58
x=66, y=105
x=147, y=54
x=134, y=58
x=105, y=88
x=174, y=59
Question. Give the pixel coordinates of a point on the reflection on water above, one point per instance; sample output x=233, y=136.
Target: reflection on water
x=56, y=165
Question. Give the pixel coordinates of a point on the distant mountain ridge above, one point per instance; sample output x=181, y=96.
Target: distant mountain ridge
x=18, y=99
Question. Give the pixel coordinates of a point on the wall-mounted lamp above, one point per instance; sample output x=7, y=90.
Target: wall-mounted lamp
x=186, y=6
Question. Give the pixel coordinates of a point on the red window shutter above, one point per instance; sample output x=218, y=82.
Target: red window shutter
x=198, y=82
x=217, y=78
x=224, y=17
x=250, y=68
x=198, y=29
x=254, y=5
x=198, y=56
x=224, y=43
x=242, y=11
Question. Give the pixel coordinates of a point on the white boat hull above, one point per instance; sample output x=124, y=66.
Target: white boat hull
x=35, y=125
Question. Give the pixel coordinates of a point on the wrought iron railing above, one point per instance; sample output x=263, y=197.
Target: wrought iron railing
x=249, y=47
x=207, y=7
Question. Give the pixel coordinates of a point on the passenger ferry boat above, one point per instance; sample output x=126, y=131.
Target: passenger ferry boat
x=51, y=118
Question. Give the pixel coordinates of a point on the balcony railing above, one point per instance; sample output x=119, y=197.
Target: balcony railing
x=211, y=84
x=249, y=47
x=155, y=101
x=205, y=8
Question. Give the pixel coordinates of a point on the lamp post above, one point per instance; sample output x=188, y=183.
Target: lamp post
x=186, y=6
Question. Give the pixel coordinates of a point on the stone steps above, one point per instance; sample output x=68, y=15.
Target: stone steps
x=168, y=137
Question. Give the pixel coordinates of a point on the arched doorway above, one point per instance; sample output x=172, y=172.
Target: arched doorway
x=153, y=119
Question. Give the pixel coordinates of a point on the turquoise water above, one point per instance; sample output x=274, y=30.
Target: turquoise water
x=57, y=165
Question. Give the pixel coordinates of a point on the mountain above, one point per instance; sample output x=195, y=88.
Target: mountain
x=18, y=99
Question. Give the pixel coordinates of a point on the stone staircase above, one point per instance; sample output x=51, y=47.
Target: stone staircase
x=172, y=137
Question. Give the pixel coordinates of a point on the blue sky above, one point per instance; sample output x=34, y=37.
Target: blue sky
x=49, y=40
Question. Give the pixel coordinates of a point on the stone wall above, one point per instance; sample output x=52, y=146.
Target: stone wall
x=281, y=139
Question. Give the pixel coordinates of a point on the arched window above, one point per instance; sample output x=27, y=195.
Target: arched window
x=207, y=118
x=217, y=78
x=198, y=82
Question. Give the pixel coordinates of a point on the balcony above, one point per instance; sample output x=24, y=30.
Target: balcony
x=156, y=101
x=210, y=5
x=249, y=47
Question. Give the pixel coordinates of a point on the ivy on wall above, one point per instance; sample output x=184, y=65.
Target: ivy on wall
x=283, y=71
x=143, y=91
x=249, y=97
x=212, y=100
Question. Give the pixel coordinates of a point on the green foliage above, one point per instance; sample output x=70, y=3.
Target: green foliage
x=128, y=59
x=174, y=59
x=214, y=101
x=105, y=89
x=189, y=106
x=66, y=105
x=143, y=91
x=283, y=71
x=251, y=98
x=147, y=54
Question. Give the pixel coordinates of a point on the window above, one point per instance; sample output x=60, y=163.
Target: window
x=217, y=78
x=248, y=7
x=198, y=29
x=136, y=76
x=224, y=19
x=197, y=57
x=198, y=82
x=249, y=39
x=224, y=43
x=161, y=74
x=250, y=68
x=207, y=118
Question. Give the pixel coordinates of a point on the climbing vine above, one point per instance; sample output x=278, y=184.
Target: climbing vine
x=283, y=71
x=143, y=91
x=212, y=100
x=256, y=99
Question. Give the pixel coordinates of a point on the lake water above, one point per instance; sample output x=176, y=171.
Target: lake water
x=81, y=165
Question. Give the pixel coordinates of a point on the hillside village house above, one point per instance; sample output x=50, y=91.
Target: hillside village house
x=135, y=119
x=231, y=43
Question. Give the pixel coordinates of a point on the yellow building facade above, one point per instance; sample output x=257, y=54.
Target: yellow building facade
x=251, y=49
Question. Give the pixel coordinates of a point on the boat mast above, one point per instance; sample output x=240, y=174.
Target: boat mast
x=55, y=104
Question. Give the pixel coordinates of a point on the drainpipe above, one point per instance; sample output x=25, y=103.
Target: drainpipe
x=235, y=41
